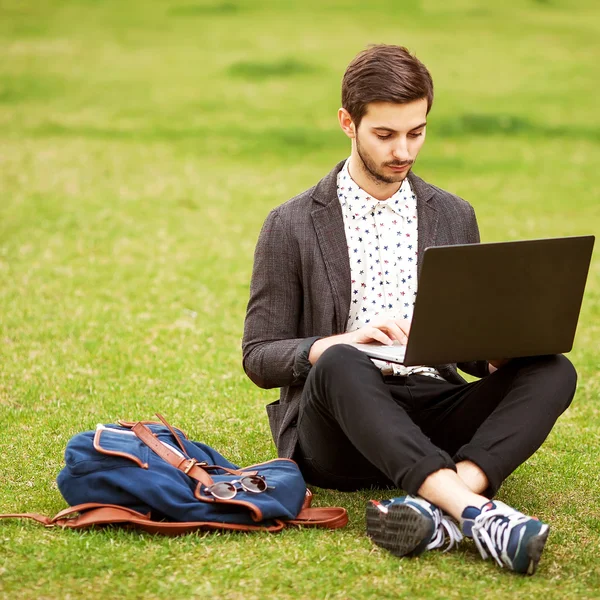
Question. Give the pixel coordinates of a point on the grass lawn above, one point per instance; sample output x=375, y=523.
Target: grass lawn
x=141, y=146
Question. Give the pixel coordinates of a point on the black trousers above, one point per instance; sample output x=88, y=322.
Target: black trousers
x=358, y=428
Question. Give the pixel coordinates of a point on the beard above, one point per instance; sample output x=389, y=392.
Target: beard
x=375, y=172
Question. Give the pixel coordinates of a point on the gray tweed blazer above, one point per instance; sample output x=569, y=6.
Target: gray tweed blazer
x=300, y=288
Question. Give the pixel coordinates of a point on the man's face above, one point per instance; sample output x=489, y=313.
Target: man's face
x=389, y=139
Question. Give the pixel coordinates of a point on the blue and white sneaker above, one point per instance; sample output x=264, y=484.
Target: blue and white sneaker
x=513, y=539
x=407, y=526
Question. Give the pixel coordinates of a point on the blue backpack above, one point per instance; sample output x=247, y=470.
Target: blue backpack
x=150, y=476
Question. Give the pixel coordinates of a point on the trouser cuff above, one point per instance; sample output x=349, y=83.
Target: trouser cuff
x=415, y=477
x=486, y=463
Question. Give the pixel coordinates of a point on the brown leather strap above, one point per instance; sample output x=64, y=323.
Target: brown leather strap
x=308, y=496
x=131, y=425
x=82, y=517
x=36, y=517
x=92, y=513
x=189, y=466
x=331, y=517
x=72, y=511
x=173, y=432
x=205, y=467
x=237, y=472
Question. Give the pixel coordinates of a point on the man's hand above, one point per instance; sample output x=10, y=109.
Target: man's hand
x=384, y=330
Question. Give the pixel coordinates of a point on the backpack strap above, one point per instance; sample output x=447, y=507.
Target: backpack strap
x=34, y=516
x=82, y=515
x=90, y=514
x=331, y=517
x=87, y=515
x=173, y=432
x=189, y=466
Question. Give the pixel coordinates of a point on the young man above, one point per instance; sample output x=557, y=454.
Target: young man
x=339, y=264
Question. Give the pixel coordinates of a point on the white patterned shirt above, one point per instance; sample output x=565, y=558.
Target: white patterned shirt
x=382, y=239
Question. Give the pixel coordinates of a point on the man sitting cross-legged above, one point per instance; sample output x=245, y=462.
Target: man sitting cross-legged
x=339, y=264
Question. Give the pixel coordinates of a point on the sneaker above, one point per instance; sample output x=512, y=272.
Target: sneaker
x=407, y=526
x=513, y=539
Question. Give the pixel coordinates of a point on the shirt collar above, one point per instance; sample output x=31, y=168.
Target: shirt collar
x=359, y=203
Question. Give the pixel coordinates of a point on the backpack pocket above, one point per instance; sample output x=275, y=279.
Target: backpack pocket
x=104, y=449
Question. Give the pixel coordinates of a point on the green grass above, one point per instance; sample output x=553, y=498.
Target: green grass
x=141, y=146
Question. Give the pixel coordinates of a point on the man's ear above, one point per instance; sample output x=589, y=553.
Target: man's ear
x=346, y=123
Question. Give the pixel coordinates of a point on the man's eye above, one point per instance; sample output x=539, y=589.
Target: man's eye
x=383, y=137
x=415, y=135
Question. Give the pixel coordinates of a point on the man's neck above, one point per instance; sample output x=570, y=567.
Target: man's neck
x=375, y=188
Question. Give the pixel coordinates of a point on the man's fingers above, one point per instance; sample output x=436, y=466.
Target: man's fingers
x=394, y=329
x=386, y=331
x=380, y=336
x=404, y=325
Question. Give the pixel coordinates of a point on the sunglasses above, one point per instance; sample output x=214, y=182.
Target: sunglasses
x=226, y=490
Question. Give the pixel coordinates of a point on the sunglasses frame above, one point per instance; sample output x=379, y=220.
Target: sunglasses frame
x=230, y=485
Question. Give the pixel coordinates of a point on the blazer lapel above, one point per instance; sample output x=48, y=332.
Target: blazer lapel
x=329, y=227
x=427, y=216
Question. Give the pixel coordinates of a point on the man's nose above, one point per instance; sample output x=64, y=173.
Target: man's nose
x=400, y=150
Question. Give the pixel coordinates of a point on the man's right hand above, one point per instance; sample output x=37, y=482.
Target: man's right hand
x=384, y=330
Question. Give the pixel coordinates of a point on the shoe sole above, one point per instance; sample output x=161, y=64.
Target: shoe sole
x=400, y=531
x=535, y=547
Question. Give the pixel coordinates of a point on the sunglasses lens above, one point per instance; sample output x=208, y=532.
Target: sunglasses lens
x=254, y=483
x=222, y=490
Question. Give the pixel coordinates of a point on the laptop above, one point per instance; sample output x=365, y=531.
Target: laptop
x=494, y=300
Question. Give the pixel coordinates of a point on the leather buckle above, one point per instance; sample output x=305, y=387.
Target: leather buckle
x=191, y=463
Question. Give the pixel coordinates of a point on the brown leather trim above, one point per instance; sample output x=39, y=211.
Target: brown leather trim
x=102, y=450
x=255, y=512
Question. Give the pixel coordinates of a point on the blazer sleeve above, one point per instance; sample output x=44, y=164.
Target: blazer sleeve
x=477, y=368
x=273, y=353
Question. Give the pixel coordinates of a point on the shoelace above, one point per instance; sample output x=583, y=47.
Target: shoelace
x=445, y=528
x=491, y=533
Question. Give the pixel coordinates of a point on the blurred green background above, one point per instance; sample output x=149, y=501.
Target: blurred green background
x=142, y=145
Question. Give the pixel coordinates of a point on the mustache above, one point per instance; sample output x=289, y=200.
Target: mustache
x=399, y=164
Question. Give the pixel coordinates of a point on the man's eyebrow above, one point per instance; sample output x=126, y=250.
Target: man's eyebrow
x=383, y=128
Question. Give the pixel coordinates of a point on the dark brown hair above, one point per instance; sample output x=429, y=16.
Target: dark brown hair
x=384, y=73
